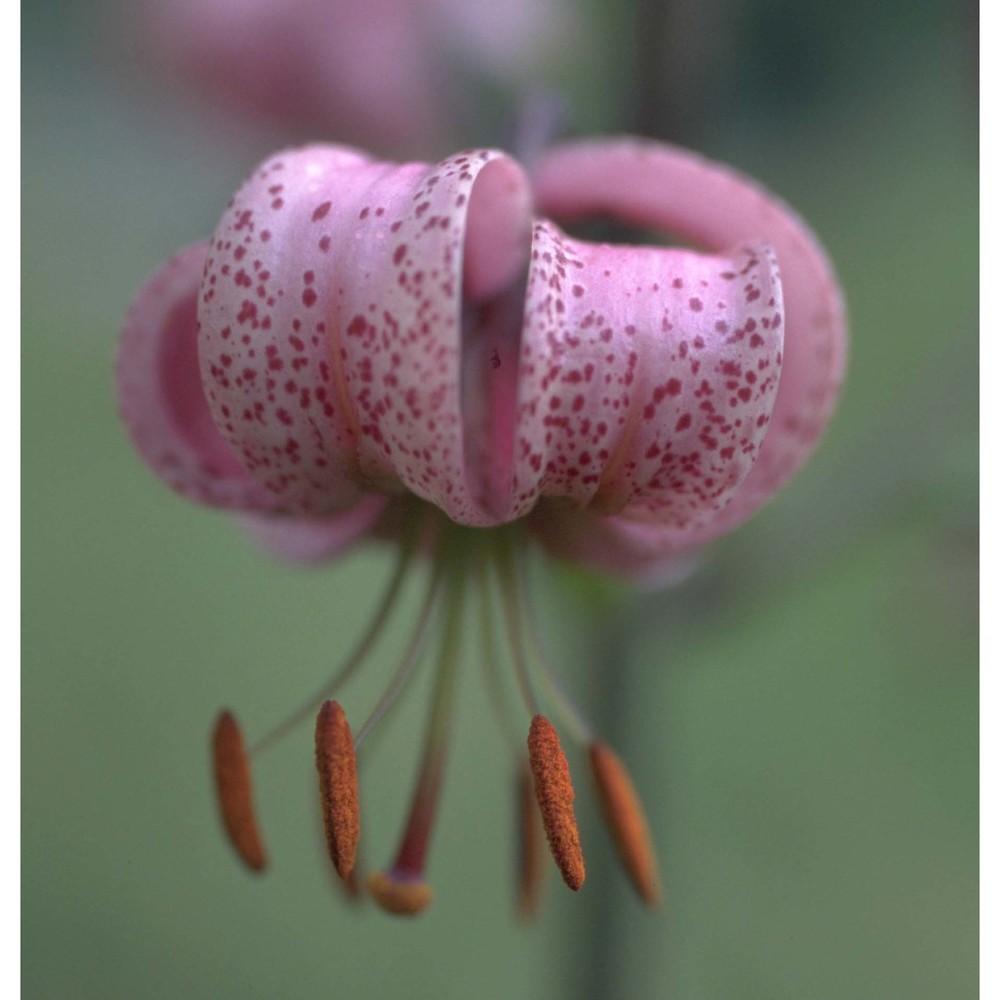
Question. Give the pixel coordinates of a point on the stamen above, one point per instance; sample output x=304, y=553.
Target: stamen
x=400, y=896
x=358, y=654
x=530, y=836
x=508, y=591
x=234, y=790
x=554, y=791
x=410, y=658
x=491, y=666
x=626, y=819
x=531, y=872
x=568, y=712
x=338, y=786
x=402, y=889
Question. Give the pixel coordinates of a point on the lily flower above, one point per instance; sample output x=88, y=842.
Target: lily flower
x=420, y=353
x=381, y=72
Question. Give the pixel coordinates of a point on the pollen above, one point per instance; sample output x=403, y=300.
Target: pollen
x=404, y=897
x=626, y=820
x=338, y=786
x=554, y=791
x=234, y=789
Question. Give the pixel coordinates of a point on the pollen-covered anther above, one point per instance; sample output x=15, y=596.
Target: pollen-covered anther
x=338, y=786
x=626, y=820
x=554, y=791
x=402, y=896
x=234, y=789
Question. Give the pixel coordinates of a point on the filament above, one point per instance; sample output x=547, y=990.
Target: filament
x=357, y=656
x=410, y=859
x=580, y=729
x=491, y=665
x=409, y=660
x=515, y=628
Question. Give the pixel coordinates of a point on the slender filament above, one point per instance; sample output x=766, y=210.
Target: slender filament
x=410, y=658
x=569, y=714
x=413, y=848
x=356, y=658
x=515, y=627
x=491, y=665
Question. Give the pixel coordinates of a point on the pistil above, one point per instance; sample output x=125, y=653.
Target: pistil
x=402, y=889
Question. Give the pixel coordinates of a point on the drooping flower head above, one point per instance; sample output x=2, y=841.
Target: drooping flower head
x=422, y=353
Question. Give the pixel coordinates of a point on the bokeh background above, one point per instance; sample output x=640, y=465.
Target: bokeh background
x=801, y=715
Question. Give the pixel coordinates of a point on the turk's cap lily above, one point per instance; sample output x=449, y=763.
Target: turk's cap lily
x=382, y=72
x=421, y=352
x=356, y=330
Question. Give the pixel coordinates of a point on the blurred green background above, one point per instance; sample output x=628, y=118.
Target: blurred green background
x=801, y=716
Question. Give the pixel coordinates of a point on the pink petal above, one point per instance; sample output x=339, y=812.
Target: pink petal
x=646, y=376
x=366, y=72
x=332, y=320
x=612, y=544
x=658, y=186
x=268, y=295
x=160, y=392
x=313, y=540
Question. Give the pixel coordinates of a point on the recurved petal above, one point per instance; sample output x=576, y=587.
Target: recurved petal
x=645, y=553
x=315, y=539
x=654, y=185
x=332, y=320
x=645, y=375
x=451, y=237
x=268, y=313
x=161, y=397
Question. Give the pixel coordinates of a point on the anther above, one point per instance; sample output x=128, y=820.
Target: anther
x=554, y=791
x=626, y=819
x=402, y=896
x=531, y=872
x=338, y=786
x=234, y=789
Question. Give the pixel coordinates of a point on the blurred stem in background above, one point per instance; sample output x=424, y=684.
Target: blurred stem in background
x=665, y=102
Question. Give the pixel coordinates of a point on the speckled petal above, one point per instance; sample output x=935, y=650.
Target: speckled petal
x=332, y=320
x=315, y=539
x=645, y=375
x=161, y=397
x=461, y=226
x=267, y=312
x=653, y=185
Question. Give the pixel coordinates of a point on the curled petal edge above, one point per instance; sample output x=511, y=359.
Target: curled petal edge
x=656, y=185
x=317, y=539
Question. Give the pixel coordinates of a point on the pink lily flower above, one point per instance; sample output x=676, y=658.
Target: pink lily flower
x=379, y=73
x=419, y=352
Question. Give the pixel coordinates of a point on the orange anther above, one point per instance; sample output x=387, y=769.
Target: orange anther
x=624, y=815
x=338, y=786
x=234, y=789
x=554, y=791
